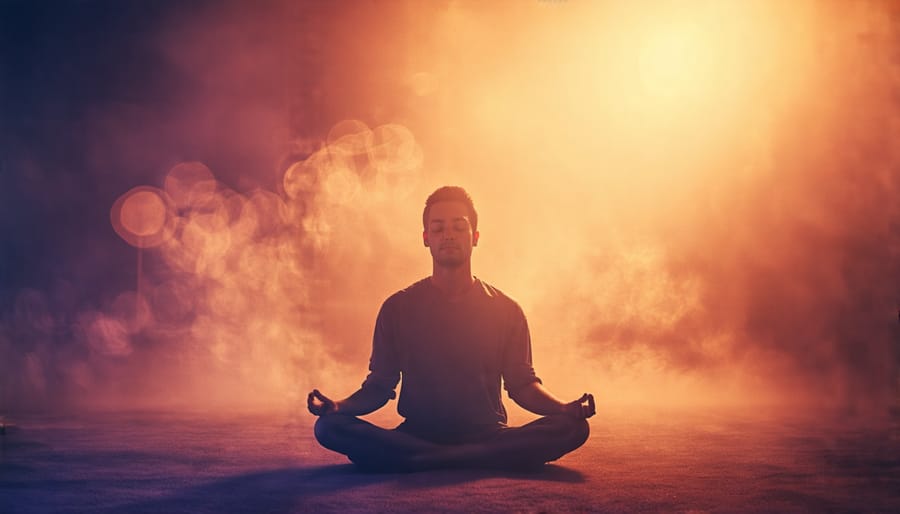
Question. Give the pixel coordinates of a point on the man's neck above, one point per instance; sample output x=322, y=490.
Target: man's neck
x=453, y=281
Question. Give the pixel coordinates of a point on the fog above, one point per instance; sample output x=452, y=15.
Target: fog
x=695, y=204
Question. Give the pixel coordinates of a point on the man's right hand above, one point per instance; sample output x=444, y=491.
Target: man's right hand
x=582, y=408
x=319, y=404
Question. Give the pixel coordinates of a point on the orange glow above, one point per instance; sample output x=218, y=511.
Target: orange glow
x=423, y=83
x=675, y=63
x=143, y=213
x=190, y=183
x=142, y=217
x=675, y=195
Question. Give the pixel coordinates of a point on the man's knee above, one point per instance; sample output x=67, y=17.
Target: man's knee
x=579, y=432
x=329, y=429
x=571, y=432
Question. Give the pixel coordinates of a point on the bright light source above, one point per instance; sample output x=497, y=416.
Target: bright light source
x=675, y=63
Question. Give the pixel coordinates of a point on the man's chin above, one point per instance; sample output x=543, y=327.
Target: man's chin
x=450, y=262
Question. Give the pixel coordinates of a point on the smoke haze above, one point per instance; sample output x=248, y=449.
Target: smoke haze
x=692, y=204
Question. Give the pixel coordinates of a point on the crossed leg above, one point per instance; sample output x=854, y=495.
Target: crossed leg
x=375, y=448
x=370, y=446
x=529, y=446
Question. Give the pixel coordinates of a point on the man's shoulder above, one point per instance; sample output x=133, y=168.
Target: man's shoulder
x=417, y=288
x=412, y=292
x=496, y=295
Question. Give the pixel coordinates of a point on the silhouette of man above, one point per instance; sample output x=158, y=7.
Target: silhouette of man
x=452, y=338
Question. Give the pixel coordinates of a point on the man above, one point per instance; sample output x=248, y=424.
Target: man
x=451, y=337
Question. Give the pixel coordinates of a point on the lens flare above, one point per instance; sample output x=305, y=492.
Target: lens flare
x=143, y=217
x=143, y=213
x=190, y=184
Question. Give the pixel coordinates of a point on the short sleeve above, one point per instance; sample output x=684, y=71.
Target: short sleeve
x=518, y=370
x=384, y=368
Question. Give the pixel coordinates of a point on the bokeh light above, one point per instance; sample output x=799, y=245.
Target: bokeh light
x=143, y=213
x=190, y=184
x=143, y=217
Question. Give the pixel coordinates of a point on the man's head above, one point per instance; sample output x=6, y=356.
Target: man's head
x=450, y=226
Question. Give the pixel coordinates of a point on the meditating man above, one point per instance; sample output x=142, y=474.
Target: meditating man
x=451, y=337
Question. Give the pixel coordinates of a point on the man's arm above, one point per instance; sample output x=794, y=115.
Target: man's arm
x=363, y=401
x=524, y=387
x=379, y=385
x=536, y=398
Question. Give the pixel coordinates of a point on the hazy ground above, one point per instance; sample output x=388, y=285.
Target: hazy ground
x=656, y=462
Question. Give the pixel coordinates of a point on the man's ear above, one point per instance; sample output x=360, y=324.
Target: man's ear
x=425, y=238
x=475, y=238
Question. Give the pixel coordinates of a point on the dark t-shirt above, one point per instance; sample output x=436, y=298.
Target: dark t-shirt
x=451, y=355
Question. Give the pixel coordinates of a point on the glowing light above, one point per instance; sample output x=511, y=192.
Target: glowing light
x=190, y=184
x=675, y=62
x=143, y=213
x=142, y=217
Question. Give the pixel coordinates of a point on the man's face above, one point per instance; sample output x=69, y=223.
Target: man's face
x=449, y=234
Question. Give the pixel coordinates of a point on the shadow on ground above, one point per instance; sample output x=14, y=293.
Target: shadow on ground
x=289, y=489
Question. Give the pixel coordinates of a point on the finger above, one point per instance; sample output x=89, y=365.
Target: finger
x=583, y=398
x=577, y=410
x=591, y=405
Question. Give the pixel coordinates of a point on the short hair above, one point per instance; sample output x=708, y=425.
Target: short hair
x=451, y=194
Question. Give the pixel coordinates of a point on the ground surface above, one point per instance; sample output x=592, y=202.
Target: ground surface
x=654, y=462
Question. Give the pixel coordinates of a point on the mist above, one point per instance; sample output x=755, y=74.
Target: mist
x=694, y=204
